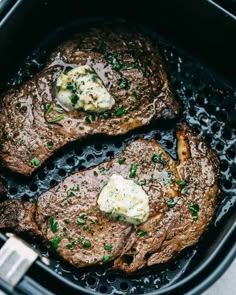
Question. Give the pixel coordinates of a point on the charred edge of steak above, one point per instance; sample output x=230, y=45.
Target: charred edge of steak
x=18, y=216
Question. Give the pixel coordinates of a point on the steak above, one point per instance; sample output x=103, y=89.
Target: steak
x=182, y=199
x=189, y=213
x=129, y=63
x=19, y=216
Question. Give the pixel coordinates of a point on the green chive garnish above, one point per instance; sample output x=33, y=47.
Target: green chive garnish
x=57, y=119
x=90, y=119
x=133, y=171
x=141, y=232
x=35, y=162
x=69, y=246
x=194, y=208
x=55, y=242
x=142, y=182
x=106, y=258
x=157, y=157
x=185, y=190
x=171, y=202
x=112, y=59
x=80, y=221
x=108, y=247
x=49, y=145
x=87, y=244
x=53, y=225
x=123, y=83
x=121, y=160
x=180, y=182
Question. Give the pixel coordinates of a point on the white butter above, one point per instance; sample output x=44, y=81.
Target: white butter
x=81, y=88
x=124, y=199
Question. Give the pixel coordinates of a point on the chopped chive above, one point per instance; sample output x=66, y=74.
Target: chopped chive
x=67, y=220
x=85, y=227
x=180, y=182
x=70, y=86
x=55, y=242
x=127, y=66
x=74, y=99
x=95, y=173
x=35, y=162
x=157, y=157
x=80, y=221
x=53, y=225
x=171, y=202
x=82, y=215
x=80, y=240
x=112, y=59
x=71, y=191
x=123, y=83
x=106, y=115
x=69, y=246
x=87, y=244
x=49, y=145
x=133, y=170
x=194, y=208
x=185, y=190
x=59, y=110
x=142, y=182
x=48, y=107
x=141, y=232
x=106, y=258
x=75, y=187
x=135, y=94
x=90, y=118
x=120, y=111
x=64, y=229
x=54, y=120
x=121, y=160
x=108, y=247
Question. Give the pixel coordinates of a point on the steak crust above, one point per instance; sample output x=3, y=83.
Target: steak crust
x=182, y=199
x=199, y=168
x=117, y=55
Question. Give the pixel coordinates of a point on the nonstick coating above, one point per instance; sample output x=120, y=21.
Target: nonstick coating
x=208, y=104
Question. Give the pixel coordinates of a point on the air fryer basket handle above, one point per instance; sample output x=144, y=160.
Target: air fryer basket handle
x=16, y=257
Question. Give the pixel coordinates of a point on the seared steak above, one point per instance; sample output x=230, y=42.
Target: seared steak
x=19, y=216
x=182, y=200
x=33, y=127
x=190, y=211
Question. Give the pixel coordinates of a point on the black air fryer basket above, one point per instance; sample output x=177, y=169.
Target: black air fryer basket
x=198, y=44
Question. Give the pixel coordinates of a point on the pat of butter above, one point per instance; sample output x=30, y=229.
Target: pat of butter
x=81, y=88
x=124, y=200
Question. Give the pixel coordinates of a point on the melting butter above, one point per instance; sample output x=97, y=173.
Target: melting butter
x=124, y=200
x=82, y=89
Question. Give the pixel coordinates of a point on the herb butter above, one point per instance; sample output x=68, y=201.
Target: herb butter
x=82, y=89
x=124, y=200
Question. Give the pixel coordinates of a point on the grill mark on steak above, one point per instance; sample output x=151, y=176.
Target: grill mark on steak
x=167, y=230
x=24, y=132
